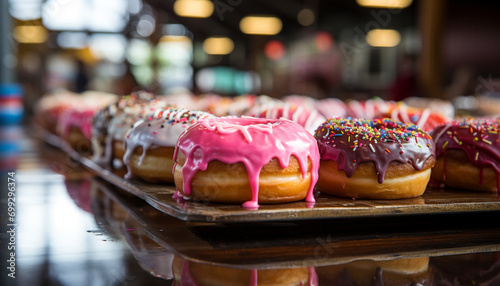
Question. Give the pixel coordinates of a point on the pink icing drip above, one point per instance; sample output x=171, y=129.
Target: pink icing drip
x=313, y=277
x=251, y=141
x=80, y=119
x=253, y=278
x=186, y=277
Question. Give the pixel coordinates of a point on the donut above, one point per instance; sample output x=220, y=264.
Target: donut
x=369, y=109
x=468, y=155
x=74, y=124
x=331, y=107
x=425, y=119
x=198, y=274
x=373, y=159
x=246, y=160
x=149, y=145
x=180, y=100
x=309, y=119
x=402, y=271
x=49, y=108
x=442, y=107
x=241, y=104
x=75, y=127
x=301, y=100
x=214, y=104
x=112, y=123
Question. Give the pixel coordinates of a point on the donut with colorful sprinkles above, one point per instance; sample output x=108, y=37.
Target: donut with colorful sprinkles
x=149, y=145
x=246, y=160
x=373, y=159
x=468, y=155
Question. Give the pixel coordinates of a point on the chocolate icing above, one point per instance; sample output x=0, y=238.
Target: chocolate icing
x=478, y=139
x=350, y=142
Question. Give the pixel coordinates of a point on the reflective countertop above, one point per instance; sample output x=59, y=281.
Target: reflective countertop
x=72, y=228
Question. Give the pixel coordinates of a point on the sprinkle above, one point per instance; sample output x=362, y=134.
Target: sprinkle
x=371, y=147
x=349, y=139
x=154, y=133
x=445, y=144
x=401, y=152
x=487, y=141
x=162, y=126
x=428, y=146
x=456, y=140
x=477, y=155
x=387, y=150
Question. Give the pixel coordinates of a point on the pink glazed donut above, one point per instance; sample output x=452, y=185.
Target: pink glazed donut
x=246, y=160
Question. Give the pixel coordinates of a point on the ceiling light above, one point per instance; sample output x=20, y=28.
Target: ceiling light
x=383, y=38
x=218, y=46
x=194, y=8
x=394, y=4
x=261, y=25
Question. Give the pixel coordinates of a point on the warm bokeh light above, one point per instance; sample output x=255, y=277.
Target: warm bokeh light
x=383, y=38
x=323, y=41
x=30, y=34
x=261, y=25
x=218, y=46
x=194, y=8
x=172, y=38
x=306, y=17
x=274, y=50
x=394, y=4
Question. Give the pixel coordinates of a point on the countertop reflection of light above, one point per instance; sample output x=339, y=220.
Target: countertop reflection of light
x=194, y=8
x=261, y=25
x=395, y=4
x=30, y=34
x=218, y=46
x=383, y=38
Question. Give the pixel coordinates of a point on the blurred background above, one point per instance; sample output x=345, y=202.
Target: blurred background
x=348, y=49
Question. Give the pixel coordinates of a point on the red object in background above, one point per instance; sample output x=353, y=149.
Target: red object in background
x=323, y=41
x=274, y=50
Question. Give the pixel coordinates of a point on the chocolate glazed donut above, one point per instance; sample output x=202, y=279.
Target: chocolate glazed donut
x=468, y=155
x=373, y=159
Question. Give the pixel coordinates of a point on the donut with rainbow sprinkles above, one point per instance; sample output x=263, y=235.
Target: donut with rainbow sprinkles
x=373, y=159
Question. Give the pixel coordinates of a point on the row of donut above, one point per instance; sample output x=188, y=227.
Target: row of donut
x=253, y=160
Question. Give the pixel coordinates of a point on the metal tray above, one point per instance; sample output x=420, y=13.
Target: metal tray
x=433, y=201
